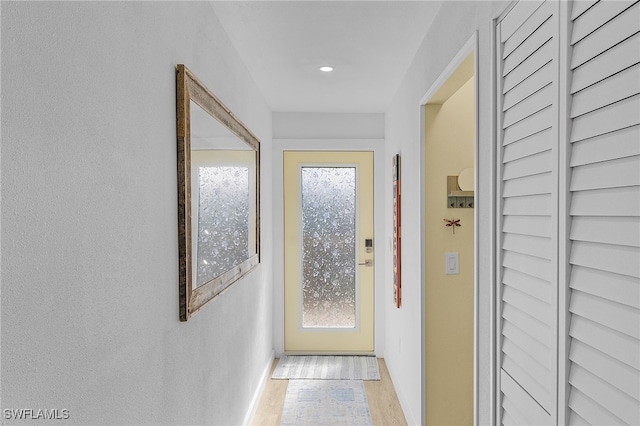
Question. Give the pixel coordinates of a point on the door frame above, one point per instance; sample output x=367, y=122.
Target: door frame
x=381, y=248
x=360, y=338
x=471, y=46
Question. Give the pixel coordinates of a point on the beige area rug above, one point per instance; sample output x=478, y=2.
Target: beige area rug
x=327, y=367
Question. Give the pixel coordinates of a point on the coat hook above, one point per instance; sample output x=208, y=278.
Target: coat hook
x=453, y=223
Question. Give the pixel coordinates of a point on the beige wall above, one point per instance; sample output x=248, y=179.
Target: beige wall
x=450, y=129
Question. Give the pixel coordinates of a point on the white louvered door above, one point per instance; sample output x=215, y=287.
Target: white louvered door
x=568, y=273
x=528, y=205
x=604, y=332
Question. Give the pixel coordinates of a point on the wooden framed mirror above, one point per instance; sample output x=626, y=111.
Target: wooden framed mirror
x=218, y=195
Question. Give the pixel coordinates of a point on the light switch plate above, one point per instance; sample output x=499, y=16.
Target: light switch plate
x=451, y=263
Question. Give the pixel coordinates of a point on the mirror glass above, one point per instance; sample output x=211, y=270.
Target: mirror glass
x=218, y=195
x=222, y=200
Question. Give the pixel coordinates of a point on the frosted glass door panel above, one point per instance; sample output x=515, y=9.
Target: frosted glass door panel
x=223, y=220
x=328, y=247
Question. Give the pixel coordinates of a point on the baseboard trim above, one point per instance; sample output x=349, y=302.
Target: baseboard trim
x=248, y=418
x=404, y=406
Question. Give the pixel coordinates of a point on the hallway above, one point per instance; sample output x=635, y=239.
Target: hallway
x=90, y=248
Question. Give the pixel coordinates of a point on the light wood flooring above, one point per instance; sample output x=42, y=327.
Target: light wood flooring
x=383, y=401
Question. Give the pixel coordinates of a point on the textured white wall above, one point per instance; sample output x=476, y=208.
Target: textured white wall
x=89, y=241
x=454, y=25
x=326, y=125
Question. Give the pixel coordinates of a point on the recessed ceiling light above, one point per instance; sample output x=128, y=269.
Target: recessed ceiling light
x=326, y=68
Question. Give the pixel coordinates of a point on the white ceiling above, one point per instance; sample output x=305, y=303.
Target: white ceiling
x=370, y=43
